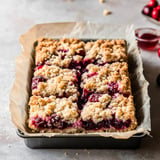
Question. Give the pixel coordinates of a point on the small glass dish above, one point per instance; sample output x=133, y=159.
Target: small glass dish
x=148, y=38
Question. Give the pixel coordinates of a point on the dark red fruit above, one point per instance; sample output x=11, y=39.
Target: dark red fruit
x=82, y=53
x=39, y=122
x=158, y=7
x=75, y=65
x=158, y=52
x=155, y=13
x=38, y=67
x=94, y=97
x=117, y=124
x=113, y=88
x=86, y=62
x=147, y=10
x=36, y=80
x=85, y=95
x=92, y=74
x=152, y=3
x=51, y=122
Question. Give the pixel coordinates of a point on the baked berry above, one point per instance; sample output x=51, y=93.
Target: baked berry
x=82, y=53
x=92, y=74
x=152, y=3
x=86, y=62
x=85, y=95
x=36, y=80
x=94, y=97
x=147, y=10
x=38, y=67
x=113, y=88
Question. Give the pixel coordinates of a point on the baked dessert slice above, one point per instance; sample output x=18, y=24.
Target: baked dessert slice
x=51, y=114
x=65, y=53
x=105, y=113
x=101, y=52
x=59, y=86
x=52, y=71
x=110, y=78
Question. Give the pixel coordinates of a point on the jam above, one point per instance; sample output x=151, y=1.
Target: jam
x=148, y=41
x=147, y=38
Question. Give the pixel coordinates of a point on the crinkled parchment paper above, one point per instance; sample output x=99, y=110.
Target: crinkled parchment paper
x=19, y=95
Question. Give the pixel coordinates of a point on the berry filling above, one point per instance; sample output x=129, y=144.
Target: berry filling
x=85, y=95
x=36, y=80
x=94, y=97
x=50, y=122
x=75, y=65
x=92, y=74
x=117, y=124
x=113, y=88
x=86, y=62
x=82, y=53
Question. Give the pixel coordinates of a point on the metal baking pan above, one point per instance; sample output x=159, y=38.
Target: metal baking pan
x=81, y=141
x=84, y=142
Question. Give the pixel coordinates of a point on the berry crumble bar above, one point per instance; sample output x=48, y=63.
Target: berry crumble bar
x=81, y=86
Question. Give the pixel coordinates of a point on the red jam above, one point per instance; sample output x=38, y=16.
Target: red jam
x=147, y=41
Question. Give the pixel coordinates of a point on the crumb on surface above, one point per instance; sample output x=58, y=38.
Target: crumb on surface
x=101, y=1
x=106, y=12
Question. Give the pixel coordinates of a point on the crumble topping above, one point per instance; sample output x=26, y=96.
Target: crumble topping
x=60, y=53
x=63, y=108
x=104, y=51
x=98, y=78
x=62, y=85
x=120, y=106
x=53, y=71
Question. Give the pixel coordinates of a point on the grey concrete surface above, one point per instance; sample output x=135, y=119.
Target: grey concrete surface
x=16, y=17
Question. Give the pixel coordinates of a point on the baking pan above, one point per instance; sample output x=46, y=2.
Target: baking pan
x=81, y=141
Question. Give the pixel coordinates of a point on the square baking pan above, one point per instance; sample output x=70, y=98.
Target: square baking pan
x=81, y=141
x=91, y=141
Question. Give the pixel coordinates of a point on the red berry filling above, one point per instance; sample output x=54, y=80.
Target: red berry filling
x=36, y=80
x=75, y=65
x=86, y=62
x=85, y=95
x=94, y=97
x=113, y=88
x=117, y=124
x=92, y=74
x=50, y=122
x=82, y=53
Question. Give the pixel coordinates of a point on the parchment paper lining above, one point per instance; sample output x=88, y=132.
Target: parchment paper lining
x=20, y=92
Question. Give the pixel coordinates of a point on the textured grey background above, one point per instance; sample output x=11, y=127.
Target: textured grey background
x=16, y=17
